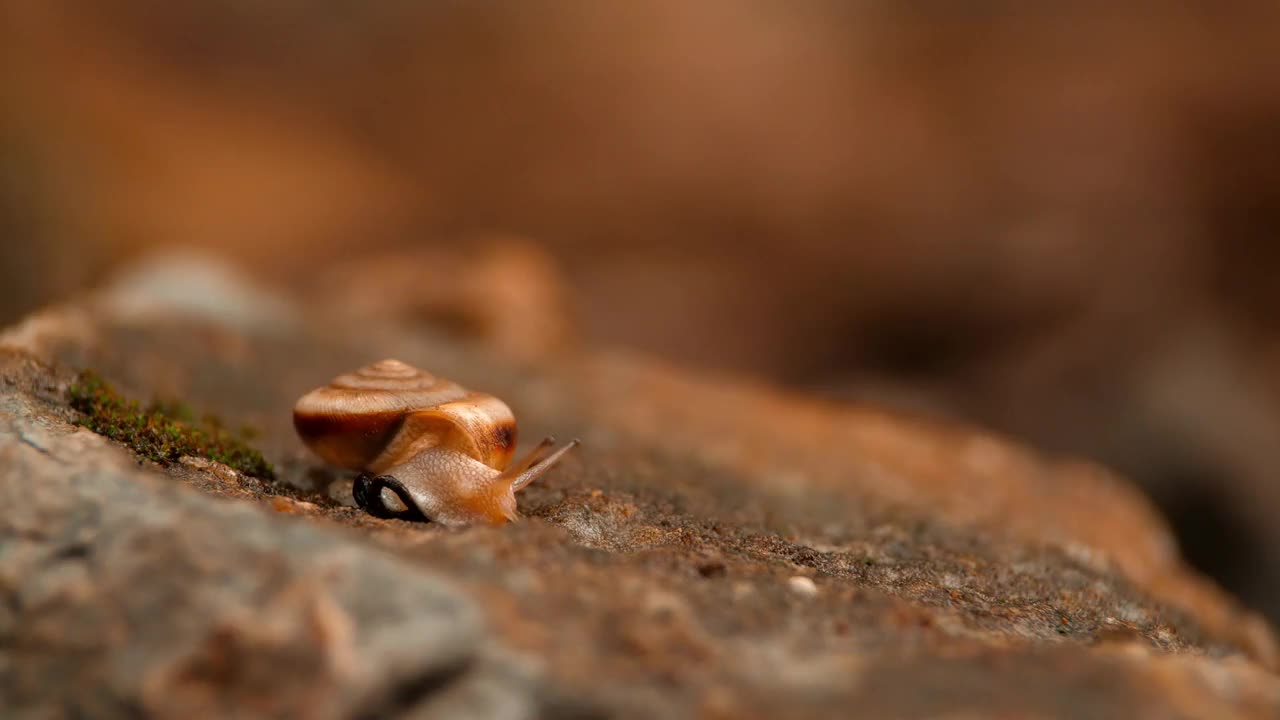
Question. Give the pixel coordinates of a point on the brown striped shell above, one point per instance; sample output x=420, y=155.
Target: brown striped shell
x=378, y=416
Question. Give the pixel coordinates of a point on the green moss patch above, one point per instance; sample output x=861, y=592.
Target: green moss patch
x=163, y=431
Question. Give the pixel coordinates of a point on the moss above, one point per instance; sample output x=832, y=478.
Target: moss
x=163, y=431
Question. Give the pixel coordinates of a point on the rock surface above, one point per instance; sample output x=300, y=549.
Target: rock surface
x=714, y=550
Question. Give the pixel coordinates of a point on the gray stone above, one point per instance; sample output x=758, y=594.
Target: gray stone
x=655, y=572
x=125, y=593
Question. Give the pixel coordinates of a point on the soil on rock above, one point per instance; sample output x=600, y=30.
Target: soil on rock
x=712, y=550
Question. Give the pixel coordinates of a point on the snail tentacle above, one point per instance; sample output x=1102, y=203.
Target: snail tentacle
x=533, y=457
x=535, y=471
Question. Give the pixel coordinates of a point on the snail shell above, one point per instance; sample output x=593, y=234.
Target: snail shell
x=431, y=447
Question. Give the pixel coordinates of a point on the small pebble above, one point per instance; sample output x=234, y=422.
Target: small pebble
x=712, y=569
x=802, y=585
x=392, y=502
x=289, y=505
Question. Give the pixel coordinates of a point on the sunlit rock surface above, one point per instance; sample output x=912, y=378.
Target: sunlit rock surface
x=714, y=549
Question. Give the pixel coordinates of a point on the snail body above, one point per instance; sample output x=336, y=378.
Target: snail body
x=427, y=447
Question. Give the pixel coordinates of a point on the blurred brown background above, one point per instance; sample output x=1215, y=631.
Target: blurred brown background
x=1060, y=222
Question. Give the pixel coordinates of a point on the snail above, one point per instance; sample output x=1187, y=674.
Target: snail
x=427, y=447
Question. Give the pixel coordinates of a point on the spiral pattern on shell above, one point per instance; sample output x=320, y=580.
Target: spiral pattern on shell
x=384, y=386
x=358, y=420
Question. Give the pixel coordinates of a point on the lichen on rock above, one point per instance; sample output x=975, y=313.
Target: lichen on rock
x=164, y=431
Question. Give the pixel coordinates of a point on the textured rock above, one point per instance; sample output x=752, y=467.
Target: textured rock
x=715, y=549
x=125, y=592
